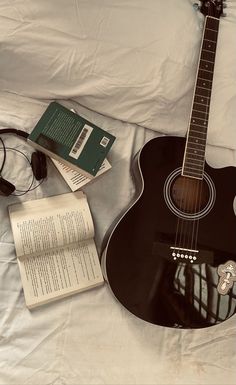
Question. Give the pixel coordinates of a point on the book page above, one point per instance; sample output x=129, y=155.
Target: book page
x=51, y=222
x=74, y=179
x=60, y=273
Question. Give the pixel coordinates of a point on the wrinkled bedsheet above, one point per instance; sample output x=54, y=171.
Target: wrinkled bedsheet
x=129, y=67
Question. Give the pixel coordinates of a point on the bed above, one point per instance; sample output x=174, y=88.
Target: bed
x=129, y=67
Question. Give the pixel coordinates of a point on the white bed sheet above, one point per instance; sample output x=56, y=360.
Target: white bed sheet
x=87, y=51
x=133, y=60
x=90, y=338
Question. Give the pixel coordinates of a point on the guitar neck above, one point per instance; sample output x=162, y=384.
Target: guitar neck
x=194, y=158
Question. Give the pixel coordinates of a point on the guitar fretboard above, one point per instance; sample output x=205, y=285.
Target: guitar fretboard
x=194, y=159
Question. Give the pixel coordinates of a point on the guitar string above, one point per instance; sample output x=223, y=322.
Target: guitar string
x=181, y=222
x=195, y=223
x=195, y=229
x=198, y=197
x=196, y=209
x=187, y=226
x=206, y=119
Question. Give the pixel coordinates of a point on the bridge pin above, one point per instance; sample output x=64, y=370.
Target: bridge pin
x=190, y=257
x=178, y=255
x=186, y=256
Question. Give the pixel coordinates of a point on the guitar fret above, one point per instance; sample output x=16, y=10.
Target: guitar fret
x=203, y=69
x=208, y=97
x=198, y=111
x=191, y=168
x=195, y=171
x=192, y=175
x=194, y=149
x=200, y=135
x=195, y=144
x=196, y=159
x=202, y=104
x=199, y=77
x=207, y=89
x=197, y=137
x=197, y=167
x=210, y=29
x=203, y=130
x=194, y=154
x=201, y=112
x=196, y=117
x=207, y=50
x=208, y=61
x=200, y=132
x=212, y=41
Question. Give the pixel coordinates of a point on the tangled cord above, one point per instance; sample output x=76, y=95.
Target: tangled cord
x=30, y=188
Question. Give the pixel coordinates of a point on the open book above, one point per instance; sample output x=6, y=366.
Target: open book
x=55, y=248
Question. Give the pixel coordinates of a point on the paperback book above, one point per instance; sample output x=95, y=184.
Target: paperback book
x=74, y=179
x=55, y=247
x=68, y=137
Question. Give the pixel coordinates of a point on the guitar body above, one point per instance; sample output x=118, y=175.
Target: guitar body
x=162, y=257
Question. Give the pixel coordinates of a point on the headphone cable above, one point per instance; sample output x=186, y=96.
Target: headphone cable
x=4, y=155
x=30, y=188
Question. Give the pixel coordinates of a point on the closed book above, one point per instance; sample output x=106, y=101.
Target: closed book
x=72, y=139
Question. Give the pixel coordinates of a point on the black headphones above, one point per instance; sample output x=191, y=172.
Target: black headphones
x=38, y=163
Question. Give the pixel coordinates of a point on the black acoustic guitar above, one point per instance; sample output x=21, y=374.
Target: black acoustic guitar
x=170, y=259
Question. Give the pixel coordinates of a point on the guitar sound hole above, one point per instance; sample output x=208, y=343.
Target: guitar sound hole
x=189, y=195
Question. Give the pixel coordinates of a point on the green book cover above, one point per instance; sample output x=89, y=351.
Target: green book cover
x=68, y=137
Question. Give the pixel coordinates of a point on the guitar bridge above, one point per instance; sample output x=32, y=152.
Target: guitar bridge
x=184, y=254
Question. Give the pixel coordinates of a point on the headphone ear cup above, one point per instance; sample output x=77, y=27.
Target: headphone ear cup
x=6, y=188
x=39, y=165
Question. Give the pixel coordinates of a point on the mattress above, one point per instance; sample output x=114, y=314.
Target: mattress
x=129, y=67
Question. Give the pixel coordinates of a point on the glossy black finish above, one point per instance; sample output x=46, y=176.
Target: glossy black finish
x=139, y=264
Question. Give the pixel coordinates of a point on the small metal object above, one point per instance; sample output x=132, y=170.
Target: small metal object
x=227, y=274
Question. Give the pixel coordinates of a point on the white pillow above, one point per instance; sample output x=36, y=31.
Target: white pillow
x=131, y=60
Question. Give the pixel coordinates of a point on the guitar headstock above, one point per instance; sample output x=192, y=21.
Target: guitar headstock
x=212, y=8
